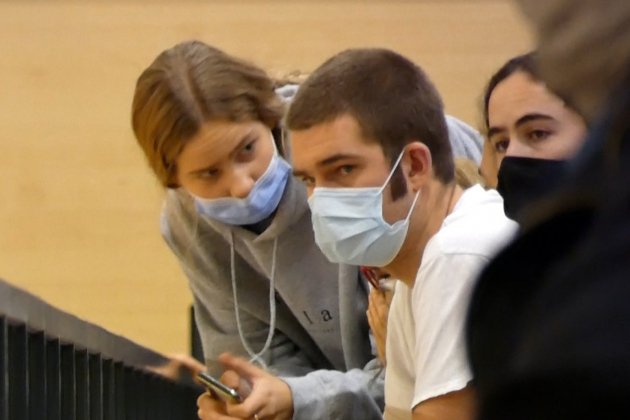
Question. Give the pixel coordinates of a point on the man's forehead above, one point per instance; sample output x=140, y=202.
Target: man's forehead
x=318, y=149
x=340, y=132
x=315, y=146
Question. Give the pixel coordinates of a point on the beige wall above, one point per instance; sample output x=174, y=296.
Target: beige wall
x=79, y=208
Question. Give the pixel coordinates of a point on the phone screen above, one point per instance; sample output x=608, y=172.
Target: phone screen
x=219, y=389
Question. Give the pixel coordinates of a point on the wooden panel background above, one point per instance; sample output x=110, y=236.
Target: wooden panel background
x=79, y=208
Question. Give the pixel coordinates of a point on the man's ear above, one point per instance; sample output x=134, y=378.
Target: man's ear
x=419, y=164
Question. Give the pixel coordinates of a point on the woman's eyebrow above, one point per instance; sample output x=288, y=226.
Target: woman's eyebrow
x=246, y=138
x=521, y=121
x=494, y=130
x=532, y=117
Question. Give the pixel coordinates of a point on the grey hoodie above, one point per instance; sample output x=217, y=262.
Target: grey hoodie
x=321, y=325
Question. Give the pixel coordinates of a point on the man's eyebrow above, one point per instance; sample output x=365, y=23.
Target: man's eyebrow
x=336, y=158
x=532, y=117
x=300, y=174
x=247, y=137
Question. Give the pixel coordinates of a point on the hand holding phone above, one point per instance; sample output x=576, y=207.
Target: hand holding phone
x=377, y=279
x=218, y=389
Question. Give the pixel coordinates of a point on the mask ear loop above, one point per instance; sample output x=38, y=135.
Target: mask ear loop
x=389, y=177
x=413, y=204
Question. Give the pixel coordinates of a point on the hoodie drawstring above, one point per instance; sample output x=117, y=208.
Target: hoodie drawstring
x=256, y=357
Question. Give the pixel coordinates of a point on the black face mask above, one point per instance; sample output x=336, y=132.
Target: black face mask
x=522, y=181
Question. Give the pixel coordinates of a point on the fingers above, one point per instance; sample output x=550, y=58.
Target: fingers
x=241, y=366
x=191, y=364
x=176, y=364
x=231, y=379
x=377, y=298
x=211, y=409
x=270, y=398
x=377, y=328
x=377, y=310
x=372, y=318
x=377, y=313
x=254, y=404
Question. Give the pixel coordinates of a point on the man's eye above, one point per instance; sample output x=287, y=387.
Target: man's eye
x=346, y=169
x=308, y=181
x=501, y=146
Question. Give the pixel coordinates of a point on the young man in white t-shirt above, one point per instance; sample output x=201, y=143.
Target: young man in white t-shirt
x=370, y=141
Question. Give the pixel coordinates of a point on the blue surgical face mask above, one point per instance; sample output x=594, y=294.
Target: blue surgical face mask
x=259, y=204
x=349, y=226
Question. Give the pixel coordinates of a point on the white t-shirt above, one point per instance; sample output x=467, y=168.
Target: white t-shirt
x=425, y=347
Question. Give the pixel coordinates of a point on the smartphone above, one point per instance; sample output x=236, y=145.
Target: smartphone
x=218, y=389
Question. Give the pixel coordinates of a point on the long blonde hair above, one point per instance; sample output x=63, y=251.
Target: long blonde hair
x=188, y=85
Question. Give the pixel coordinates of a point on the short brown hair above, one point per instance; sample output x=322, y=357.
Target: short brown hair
x=188, y=85
x=392, y=99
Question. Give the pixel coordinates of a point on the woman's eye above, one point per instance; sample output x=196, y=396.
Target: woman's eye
x=501, y=146
x=249, y=147
x=537, y=135
x=211, y=173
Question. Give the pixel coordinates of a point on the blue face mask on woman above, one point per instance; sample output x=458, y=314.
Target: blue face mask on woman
x=259, y=204
x=349, y=226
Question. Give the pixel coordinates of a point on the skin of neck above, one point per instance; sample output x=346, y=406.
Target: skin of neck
x=436, y=201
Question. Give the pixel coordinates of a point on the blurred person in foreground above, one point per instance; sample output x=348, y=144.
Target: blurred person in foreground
x=548, y=332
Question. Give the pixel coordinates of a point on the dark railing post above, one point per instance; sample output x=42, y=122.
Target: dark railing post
x=53, y=379
x=82, y=384
x=109, y=387
x=18, y=372
x=4, y=369
x=54, y=366
x=96, y=386
x=68, y=383
x=37, y=375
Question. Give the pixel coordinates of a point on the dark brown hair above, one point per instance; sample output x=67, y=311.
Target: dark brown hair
x=188, y=85
x=524, y=63
x=391, y=98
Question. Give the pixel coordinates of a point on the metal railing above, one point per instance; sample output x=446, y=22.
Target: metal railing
x=58, y=367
